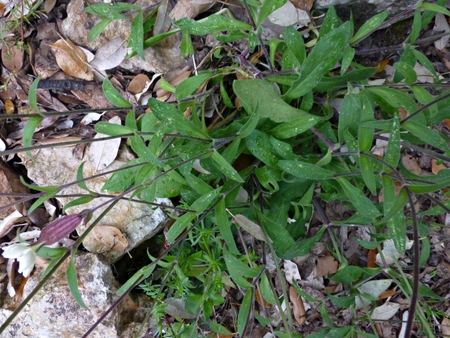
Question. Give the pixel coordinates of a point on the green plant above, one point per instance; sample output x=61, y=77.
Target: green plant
x=302, y=157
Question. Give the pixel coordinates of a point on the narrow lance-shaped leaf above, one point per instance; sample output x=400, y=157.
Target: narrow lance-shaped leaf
x=72, y=280
x=28, y=132
x=244, y=311
x=368, y=174
x=113, y=95
x=305, y=170
x=393, y=149
x=136, y=41
x=358, y=199
x=369, y=26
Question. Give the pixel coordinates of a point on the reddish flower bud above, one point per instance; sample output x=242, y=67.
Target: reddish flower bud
x=59, y=229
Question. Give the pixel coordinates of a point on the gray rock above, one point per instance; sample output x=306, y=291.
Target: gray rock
x=53, y=313
x=159, y=59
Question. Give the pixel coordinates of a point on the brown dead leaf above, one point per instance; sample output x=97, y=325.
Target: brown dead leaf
x=386, y=294
x=411, y=164
x=190, y=8
x=445, y=326
x=12, y=58
x=297, y=306
x=138, y=84
x=111, y=237
x=305, y=5
x=371, y=258
x=326, y=265
x=435, y=168
x=103, y=153
x=260, y=301
x=71, y=59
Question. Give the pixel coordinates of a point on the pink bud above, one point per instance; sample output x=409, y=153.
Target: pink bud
x=59, y=229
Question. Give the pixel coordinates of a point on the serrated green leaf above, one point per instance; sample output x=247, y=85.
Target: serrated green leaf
x=369, y=26
x=362, y=204
x=72, y=280
x=305, y=170
x=113, y=95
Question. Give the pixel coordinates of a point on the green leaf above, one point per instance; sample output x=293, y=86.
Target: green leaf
x=268, y=7
x=330, y=23
x=328, y=83
x=226, y=168
x=322, y=59
x=174, y=120
x=32, y=97
x=305, y=170
x=434, y=8
x=224, y=227
x=244, y=311
x=407, y=71
x=369, y=26
x=394, y=98
x=51, y=253
x=239, y=271
x=392, y=155
x=210, y=24
x=78, y=201
x=351, y=274
x=251, y=123
x=347, y=59
x=258, y=94
x=190, y=85
x=368, y=174
x=44, y=198
x=112, y=129
x=136, y=41
x=186, y=48
x=296, y=126
x=282, y=240
x=396, y=223
x=113, y=95
x=219, y=329
x=294, y=42
x=427, y=135
x=72, y=280
x=28, y=132
x=142, y=274
x=198, y=206
x=258, y=143
x=424, y=252
x=349, y=115
x=142, y=150
x=303, y=247
x=266, y=290
x=358, y=199
x=98, y=28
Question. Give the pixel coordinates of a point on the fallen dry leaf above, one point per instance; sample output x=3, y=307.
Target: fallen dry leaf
x=111, y=237
x=445, y=326
x=411, y=164
x=72, y=60
x=103, y=153
x=326, y=265
x=138, y=84
x=305, y=5
x=12, y=58
x=251, y=227
x=297, y=306
x=435, y=168
x=110, y=55
x=190, y=8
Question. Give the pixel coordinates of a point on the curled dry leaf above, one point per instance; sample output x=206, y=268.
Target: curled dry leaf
x=297, y=306
x=111, y=238
x=110, y=55
x=103, y=153
x=8, y=223
x=71, y=59
x=138, y=84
